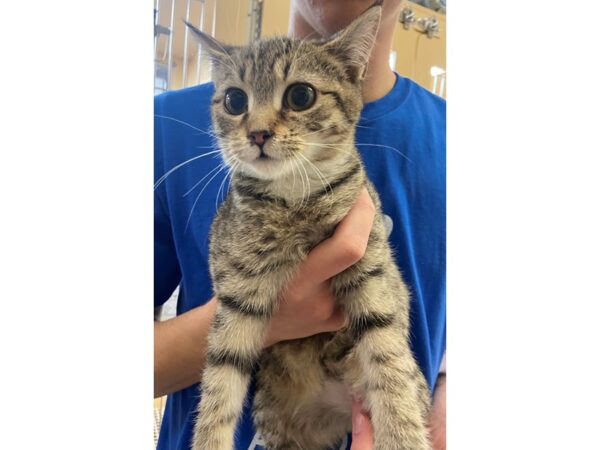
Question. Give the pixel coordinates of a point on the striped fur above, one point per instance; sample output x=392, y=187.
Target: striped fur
x=277, y=210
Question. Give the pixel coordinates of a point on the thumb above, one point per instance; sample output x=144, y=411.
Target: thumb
x=362, y=430
x=336, y=321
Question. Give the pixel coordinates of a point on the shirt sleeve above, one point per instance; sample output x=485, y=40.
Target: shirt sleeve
x=167, y=272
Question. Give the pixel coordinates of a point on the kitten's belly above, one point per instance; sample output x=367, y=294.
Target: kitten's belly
x=336, y=396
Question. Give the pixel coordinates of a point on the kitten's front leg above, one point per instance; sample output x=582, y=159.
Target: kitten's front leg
x=395, y=390
x=235, y=344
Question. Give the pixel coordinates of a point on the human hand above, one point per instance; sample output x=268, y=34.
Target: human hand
x=362, y=429
x=307, y=306
x=437, y=415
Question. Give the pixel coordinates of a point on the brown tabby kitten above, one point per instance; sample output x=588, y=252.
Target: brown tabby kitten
x=285, y=111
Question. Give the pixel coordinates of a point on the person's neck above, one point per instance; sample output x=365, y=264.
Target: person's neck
x=380, y=78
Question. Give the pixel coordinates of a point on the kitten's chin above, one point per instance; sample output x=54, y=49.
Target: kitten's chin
x=266, y=168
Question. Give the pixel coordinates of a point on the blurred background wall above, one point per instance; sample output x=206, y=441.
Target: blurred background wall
x=419, y=50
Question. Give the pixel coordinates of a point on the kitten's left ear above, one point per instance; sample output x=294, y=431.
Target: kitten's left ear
x=354, y=43
x=215, y=49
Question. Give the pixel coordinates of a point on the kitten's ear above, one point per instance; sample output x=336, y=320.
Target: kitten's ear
x=354, y=43
x=214, y=48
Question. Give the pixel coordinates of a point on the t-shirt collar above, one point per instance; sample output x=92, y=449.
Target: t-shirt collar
x=391, y=101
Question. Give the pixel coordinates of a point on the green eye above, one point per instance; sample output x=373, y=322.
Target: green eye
x=300, y=96
x=236, y=101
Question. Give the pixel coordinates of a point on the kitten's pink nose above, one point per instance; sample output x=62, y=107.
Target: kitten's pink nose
x=259, y=137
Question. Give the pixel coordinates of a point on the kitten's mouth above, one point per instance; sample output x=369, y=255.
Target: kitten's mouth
x=263, y=163
x=264, y=157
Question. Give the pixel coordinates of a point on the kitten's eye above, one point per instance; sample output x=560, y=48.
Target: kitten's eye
x=300, y=97
x=236, y=101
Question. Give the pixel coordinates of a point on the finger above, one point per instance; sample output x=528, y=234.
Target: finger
x=306, y=289
x=335, y=322
x=345, y=247
x=362, y=430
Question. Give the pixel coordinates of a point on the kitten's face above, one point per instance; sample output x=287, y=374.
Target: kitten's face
x=281, y=102
x=282, y=105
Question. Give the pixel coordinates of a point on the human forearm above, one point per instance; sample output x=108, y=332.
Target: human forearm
x=180, y=349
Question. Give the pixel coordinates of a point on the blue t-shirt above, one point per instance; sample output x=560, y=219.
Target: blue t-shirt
x=402, y=140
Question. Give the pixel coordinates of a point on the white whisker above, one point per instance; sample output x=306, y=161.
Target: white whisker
x=227, y=175
x=295, y=160
x=293, y=179
x=319, y=174
x=223, y=166
x=307, y=182
x=179, y=166
x=333, y=146
x=202, y=179
x=186, y=124
x=235, y=166
x=360, y=143
x=221, y=187
x=387, y=146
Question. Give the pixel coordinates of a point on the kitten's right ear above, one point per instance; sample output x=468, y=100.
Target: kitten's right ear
x=354, y=43
x=214, y=48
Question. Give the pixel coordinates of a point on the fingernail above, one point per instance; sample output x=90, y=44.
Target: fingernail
x=359, y=424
